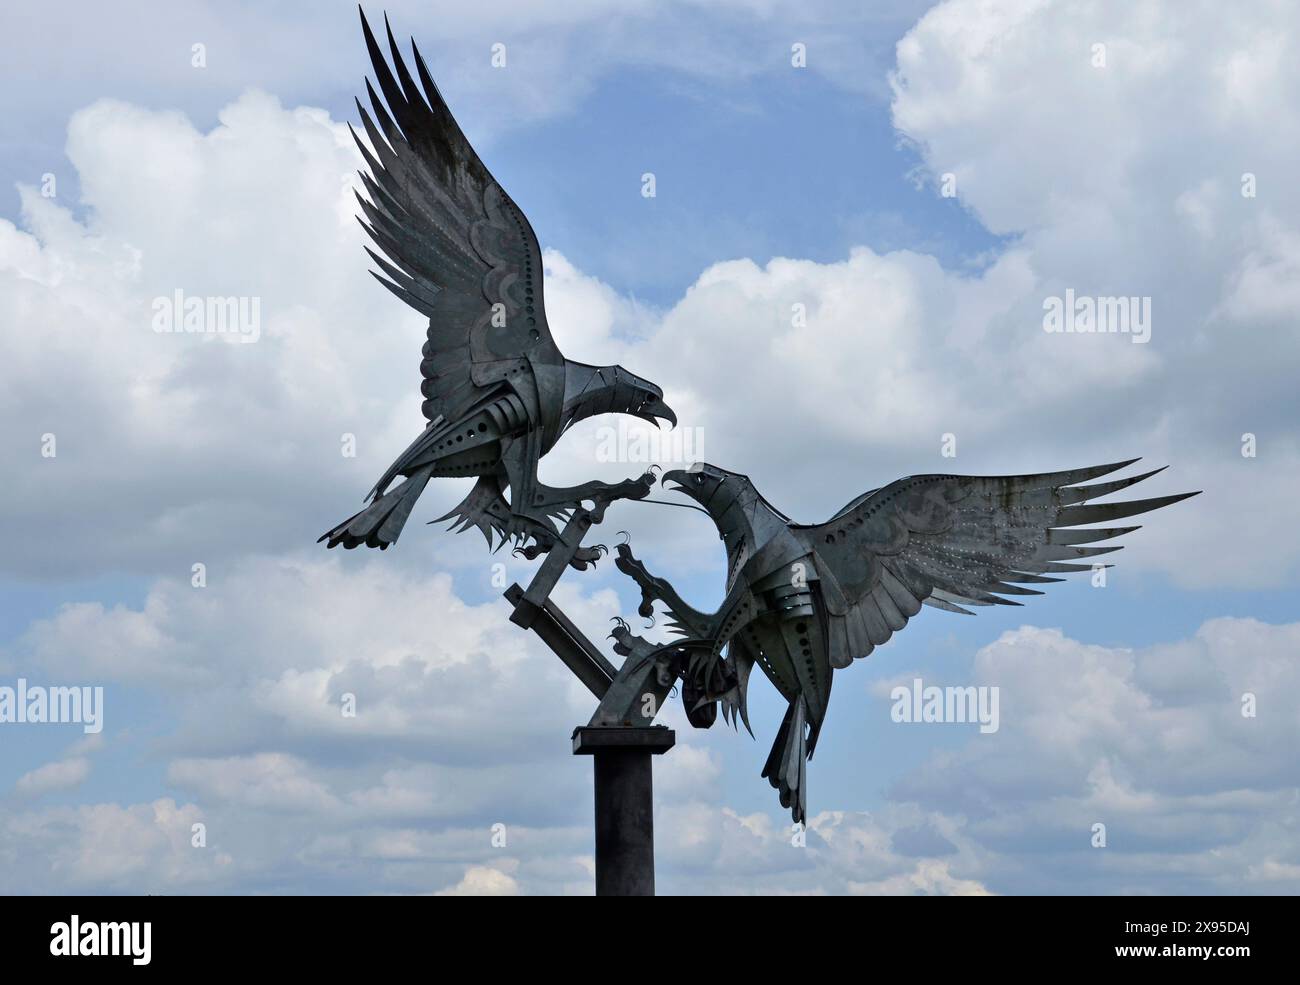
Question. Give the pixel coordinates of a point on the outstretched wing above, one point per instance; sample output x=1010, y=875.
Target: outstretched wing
x=951, y=541
x=455, y=247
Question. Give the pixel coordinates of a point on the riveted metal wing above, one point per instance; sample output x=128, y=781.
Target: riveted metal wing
x=452, y=244
x=953, y=541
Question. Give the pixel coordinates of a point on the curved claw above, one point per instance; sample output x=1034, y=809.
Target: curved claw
x=586, y=557
x=624, y=533
x=623, y=624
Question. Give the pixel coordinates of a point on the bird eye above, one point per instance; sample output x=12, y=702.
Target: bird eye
x=699, y=479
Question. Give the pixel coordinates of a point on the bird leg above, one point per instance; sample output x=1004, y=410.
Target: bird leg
x=671, y=659
x=599, y=493
x=642, y=684
x=543, y=542
x=626, y=644
x=535, y=506
x=706, y=679
x=686, y=619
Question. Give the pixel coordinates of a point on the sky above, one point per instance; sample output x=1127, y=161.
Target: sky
x=859, y=216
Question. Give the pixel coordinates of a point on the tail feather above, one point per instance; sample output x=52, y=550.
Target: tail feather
x=380, y=523
x=785, y=768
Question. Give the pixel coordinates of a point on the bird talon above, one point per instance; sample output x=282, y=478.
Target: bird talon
x=622, y=637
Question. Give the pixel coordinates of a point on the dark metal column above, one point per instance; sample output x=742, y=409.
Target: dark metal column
x=625, y=835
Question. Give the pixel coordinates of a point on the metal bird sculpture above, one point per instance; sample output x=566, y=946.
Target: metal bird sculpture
x=804, y=600
x=498, y=392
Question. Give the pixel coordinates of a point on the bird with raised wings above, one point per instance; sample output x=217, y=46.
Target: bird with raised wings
x=805, y=600
x=498, y=393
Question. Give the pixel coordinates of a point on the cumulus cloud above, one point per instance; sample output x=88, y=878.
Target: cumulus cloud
x=171, y=431
x=481, y=880
x=64, y=774
x=101, y=847
x=1181, y=750
x=1111, y=193
x=418, y=663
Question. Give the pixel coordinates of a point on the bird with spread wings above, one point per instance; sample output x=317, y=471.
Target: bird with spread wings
x=805, y=600
x=498, y=393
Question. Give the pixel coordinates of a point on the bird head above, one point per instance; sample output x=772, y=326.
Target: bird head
x=701, y=482
x=592, y=390
x=643, y=398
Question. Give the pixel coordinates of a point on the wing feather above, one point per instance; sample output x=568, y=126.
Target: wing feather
x=449, y=241
x=953, y=541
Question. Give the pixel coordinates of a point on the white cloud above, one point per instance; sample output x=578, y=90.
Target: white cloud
x=270, y=781
x=141, y=848
x=64, y=774
x=481, y=880
x=1151, y=742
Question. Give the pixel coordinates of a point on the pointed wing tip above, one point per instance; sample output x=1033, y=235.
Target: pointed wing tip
x=1101, y=470
x=1081, y=515
x=1146, y=475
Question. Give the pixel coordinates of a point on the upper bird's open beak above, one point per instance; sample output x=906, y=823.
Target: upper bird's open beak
x=648, y=403
x=654, y=410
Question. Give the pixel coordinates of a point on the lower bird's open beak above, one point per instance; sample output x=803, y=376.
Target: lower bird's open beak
x=678, y=479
